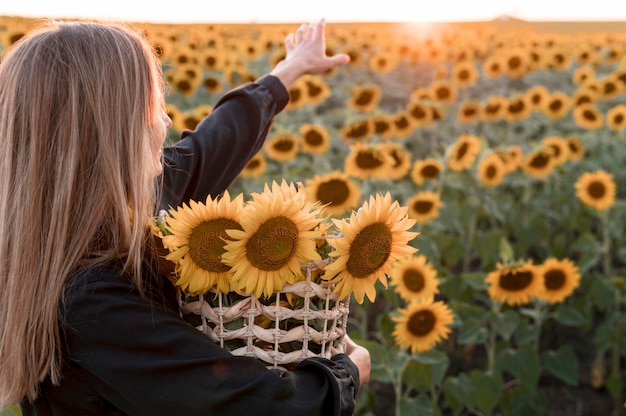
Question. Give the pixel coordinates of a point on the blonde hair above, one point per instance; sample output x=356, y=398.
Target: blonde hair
x=77, y=101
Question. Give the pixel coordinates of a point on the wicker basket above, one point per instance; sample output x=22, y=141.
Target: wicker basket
x=277, y=335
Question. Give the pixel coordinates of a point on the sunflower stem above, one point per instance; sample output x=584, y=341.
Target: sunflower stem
x=606, y=243
x=616, y=371
x=491, y=346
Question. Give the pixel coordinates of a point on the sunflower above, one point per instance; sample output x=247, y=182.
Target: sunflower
x=536, y=97
x=413, y=277
x=494, y=108
x=616, y=117
x=400, y=160
x=315, y=139
x=493, y=66
x=560, y=279
x=425, y=169
x=383, y=61
x=514, y=285
x=609, y=87
x=538, y=163
x=213, y=84
x=464, y=74
x=419, y=94
x=558, y=60
x=277, y=236
x=588, y=117
x=282, y=147
x=596, y=189
x=424, y=206
x=583, y=74
x=364, y=98
x=576, y=149
x=359, y=130
x=491, y=170
x=420, y=113
x=403, y=124
x=443, y=92
x=557, y=106
x=315, y=88
x=469, y=112
x=463, y=153
x=255, y=168
x=516, y=62
x=422, y=325
x=366, y=161
x=583, y=95
x=197, y=235
x=372, y=239
x=517, y=108
x=335, y=192
x=382, y=125
x=559, y=147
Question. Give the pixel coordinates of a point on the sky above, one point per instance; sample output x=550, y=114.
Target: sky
x=286, y=11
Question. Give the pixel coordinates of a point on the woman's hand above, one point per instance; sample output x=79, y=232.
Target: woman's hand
x=360, y=357
x=306, y=54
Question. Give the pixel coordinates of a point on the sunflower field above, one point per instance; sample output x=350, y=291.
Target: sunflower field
x=506, y=141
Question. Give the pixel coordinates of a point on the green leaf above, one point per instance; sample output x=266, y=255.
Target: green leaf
x=563, y=364
x=438, y=363
x=522, y=363
x=506, y=251
x=472, y=332
x=459, y=393
x=526, y=334
x=569, y=316
x=420, y=405
x=505, y=323
x=417, y=376
x=602, y=293
x=488, y=389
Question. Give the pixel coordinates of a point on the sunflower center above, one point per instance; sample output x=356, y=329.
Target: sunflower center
x=284, y=145
x=333, y=192
x=273, y=244
x=513, y=281
x=554, y=279
x=364, y=98
x=381, y=126
x=589, y=115
x=462, y=150
x=414, y=280
x=369, y=250
x=491, y=172
x=368, y=160
x=206, y=243
x=596, y=190
x=421, y=323
x=618, y=119
x=555, y=105
x=423, y=207
x=430, y=171
x=540, y=160
x=418, y=112
x=312, y=89
x=253, y=164
x=313, y=138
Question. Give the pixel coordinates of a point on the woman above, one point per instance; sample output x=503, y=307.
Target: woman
x=87, y=325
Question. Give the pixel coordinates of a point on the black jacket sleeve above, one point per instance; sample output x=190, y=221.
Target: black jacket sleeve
x=205, y=161
x=144, y=359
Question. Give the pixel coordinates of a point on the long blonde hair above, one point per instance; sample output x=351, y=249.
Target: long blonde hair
x=77, y=101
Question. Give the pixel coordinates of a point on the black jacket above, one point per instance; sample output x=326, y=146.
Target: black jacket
x=131, y=354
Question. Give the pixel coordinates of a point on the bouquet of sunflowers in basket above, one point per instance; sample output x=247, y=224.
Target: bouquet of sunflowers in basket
x=272, y=277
